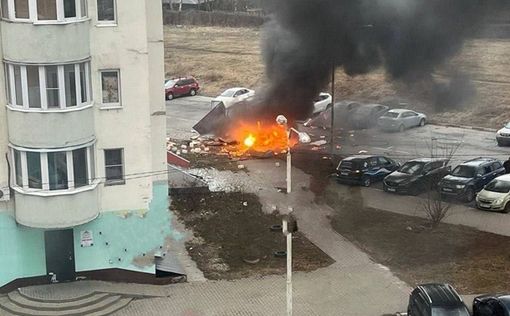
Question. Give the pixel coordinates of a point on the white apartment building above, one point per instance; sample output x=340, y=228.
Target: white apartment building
x=83, y=176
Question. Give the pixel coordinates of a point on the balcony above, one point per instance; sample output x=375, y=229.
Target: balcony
x=45, y=43
x=51, y=129
x=57, y=210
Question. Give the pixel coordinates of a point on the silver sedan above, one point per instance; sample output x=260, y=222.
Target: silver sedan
x=401, y=119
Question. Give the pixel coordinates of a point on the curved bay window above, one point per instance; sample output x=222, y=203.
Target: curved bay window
x=47, y=170
x=48, y=87
x=44, y=11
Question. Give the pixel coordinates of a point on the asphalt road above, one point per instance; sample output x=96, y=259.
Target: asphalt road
x=184, y=112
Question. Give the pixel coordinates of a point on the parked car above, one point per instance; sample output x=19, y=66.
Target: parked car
x=401, y=119
x=322, y=102
x=181, y=86
x=364, y=169
x=470, y=177
x=495, y=196
x=233, y=95
x=436, y=300
x=492, y=305
x=503, y=135
x=363, y=116
x=417, y=175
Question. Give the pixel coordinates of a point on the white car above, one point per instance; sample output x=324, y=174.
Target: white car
x=401, y=119
x=233, y=95
x=322, y=102
x=503, y=135
x=496, y=195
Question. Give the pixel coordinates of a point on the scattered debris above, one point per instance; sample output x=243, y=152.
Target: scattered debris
x=319, y=143
x=277, y=164
x=245, y=203
x=240, y=166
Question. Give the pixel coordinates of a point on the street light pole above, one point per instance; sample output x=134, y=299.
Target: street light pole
x=332, y=110
x=289, y=164
x=289, y=265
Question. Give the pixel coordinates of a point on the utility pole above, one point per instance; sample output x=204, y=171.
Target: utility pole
x=289, y=226
x=332, y=136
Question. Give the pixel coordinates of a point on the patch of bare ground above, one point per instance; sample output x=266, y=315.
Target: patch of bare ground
x=224, y=57
x=233, y=239
x=473, y=261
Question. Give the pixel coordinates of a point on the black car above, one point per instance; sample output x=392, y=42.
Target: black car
x=436, y=300
x=365, y=169
x=470, y=177
x=417, y=175
x=492, y=305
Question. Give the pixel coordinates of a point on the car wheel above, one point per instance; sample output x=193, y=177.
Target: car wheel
x=365, y=182
x=170, y=96
x=401, y=128
x=470, y=195
x=500, y=144
x=422, y=122
x=193, y=92
x=506, y=210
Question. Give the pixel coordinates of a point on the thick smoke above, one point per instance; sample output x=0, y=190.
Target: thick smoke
x=306, y=38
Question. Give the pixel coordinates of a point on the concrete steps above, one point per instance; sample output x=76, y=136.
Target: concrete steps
x=94, y=304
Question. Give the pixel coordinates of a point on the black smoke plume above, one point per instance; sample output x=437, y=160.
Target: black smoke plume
x=306, y=38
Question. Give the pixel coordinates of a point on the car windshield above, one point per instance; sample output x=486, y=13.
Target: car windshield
x=355, y=164
x=507, y=125
x=464, y=172
x=170, y=83
x=499, y=186
x=228, y=93
x=412, y=167
x=449, y=311
x=390, y=114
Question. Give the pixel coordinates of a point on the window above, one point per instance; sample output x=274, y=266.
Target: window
x=69, y=8
x=110, y=87
x=80, y=167
x=48, y=87
x=21, y=9
x=17, y=167
x=84, y=8
x=106, y=11
x=70, y=85
x=496, y=166
x=57, y=170
x=487, y=169
x=52, y=89
x=383, y=161
x=5, y=9
x=53, y=170
x=46, y=10
x=114, y=166
x=34, y=170
x=17, y=86
x=34, y=90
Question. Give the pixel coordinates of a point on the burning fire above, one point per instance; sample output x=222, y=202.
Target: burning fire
x=259, y=137
x=249, y=141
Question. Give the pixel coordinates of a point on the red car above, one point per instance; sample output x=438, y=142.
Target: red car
x=181, y=86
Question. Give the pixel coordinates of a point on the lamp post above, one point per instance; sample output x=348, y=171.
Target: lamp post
x=289, y=226
x=282, y=121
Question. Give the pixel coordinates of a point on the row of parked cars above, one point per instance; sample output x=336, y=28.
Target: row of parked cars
x=481, y=178
x=438, y=299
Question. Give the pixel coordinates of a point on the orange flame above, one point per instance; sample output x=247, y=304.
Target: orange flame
x=259, y=137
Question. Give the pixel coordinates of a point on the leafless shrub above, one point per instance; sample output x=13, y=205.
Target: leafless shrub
x=435, y=208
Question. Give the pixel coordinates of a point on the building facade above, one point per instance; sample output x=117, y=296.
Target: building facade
x=83, y=176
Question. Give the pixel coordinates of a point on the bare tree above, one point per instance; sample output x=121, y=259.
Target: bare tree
x=435, y=208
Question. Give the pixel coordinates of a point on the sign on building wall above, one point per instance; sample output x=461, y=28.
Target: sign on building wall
x=86, y=238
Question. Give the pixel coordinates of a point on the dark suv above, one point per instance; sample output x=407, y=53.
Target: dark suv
x=436, y=300
x=417, y=175
x=470, y=177
x=181, y=86
x=364, y=169
x=492, y=305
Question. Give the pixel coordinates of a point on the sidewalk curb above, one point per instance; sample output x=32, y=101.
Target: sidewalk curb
x=476, y=128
